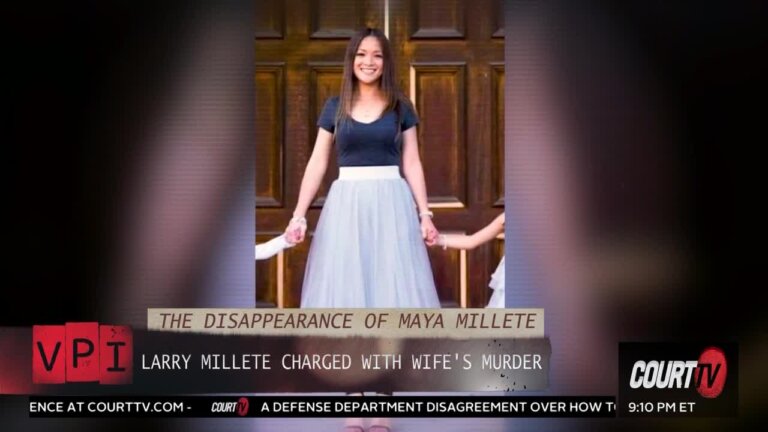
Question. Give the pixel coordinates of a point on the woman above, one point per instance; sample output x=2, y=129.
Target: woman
x=489, y=232
x=368, y=249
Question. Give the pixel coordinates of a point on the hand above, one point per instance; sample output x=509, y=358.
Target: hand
x=296, y=230
x=428, y=231
x=433, y=243
x=290, y=237
x=439, y=241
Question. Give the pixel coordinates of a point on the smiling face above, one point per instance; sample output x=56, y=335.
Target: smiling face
x=369, y=61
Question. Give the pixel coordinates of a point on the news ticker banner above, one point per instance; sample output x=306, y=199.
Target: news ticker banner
x=655, y=379
x=387, y=323
x=678, y=379
x=323, y=406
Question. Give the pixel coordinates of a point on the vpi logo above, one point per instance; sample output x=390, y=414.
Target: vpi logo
x=707, y=374
x=82, y=352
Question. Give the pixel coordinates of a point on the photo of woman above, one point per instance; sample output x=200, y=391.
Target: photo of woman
x=368, y=249
x=361, y=135
x=410, y=111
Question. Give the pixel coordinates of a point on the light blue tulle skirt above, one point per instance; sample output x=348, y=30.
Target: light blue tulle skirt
x=367, y=250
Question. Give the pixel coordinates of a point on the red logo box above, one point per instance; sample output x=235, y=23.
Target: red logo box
x=82, y=352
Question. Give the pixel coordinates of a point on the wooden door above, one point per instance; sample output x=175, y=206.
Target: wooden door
x=450, y=61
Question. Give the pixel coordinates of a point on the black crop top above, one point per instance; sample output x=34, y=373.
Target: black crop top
x=367, y=144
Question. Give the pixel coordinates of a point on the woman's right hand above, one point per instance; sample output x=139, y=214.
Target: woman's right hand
x=296, y=230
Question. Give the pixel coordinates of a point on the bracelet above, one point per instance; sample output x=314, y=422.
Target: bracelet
x=299, y=219
x=426, y=213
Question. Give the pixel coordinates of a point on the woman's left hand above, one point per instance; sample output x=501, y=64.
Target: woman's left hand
x=428, y=231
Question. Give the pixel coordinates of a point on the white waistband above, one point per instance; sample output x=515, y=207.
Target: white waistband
x=369, y=172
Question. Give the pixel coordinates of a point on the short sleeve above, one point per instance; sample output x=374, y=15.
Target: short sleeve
x=410, y=119
x=327, y=119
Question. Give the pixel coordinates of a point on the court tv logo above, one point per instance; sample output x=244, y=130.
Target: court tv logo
x=82, y=352
x=707, y=374
x=690, y=379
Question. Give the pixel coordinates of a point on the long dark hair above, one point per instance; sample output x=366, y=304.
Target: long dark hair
x=387, y=83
